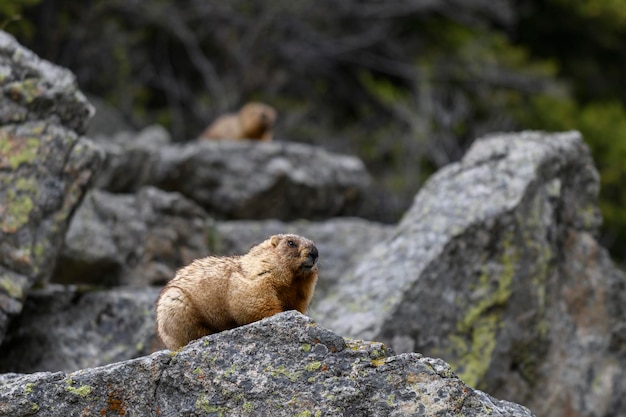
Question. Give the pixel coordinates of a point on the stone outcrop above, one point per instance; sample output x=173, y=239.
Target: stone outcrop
x=45, y=167
x=132, y=239
x=282, y=366
x=239, y=180
x=495, y=269
x=65, y=328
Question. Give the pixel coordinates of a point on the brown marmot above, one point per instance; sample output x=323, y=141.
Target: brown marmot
x=219, y=293
x=253, y=121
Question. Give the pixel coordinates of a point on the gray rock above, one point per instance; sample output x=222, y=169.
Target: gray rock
x=132, y=239
x=342, y=242
x=107, y=119
x=282, y=366
x=130, y=157
x=32, y=89
x=244, y=179
x=45, y=168
x=496, y=270
x=66, y=328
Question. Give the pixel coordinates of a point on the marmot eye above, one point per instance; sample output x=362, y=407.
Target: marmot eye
x=291, y=244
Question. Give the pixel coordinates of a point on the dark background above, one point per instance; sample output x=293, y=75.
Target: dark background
x=405, y=85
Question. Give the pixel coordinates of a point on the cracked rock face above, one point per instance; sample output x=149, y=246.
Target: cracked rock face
x=496, y=269
x=285, y=365
x=45, y=168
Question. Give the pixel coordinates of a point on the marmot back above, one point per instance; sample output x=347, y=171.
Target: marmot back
x=253, y=121
x=213, y=294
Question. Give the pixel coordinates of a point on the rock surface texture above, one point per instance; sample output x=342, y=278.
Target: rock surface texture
x=240, y=180
x=66, y=329
x=132, y=239
x=496, y=270
x=45, y=168
x=282, y=366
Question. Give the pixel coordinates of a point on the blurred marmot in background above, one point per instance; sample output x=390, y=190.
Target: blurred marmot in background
x=253, y=121
x=213, y=294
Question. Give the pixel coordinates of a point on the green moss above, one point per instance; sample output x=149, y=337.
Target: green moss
x=305, y=413
x=28, y=388
x=305, y=347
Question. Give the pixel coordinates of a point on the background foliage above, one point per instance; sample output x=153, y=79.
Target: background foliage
x=406, y=85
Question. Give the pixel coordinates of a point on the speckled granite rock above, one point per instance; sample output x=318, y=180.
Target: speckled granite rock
x=282, y=366
x=45, y=167
x=64, y=328
x=496, y=270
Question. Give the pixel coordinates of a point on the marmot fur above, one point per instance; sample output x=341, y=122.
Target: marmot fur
x=253, y=121
x=219, y=293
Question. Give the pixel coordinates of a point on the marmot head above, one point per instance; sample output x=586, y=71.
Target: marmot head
x=302, y=250
x=256, y=119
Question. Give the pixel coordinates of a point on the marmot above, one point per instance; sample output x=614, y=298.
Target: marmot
x=254, y=121
x=219, y=293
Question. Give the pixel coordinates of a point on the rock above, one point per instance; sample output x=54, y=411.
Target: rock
x=342, y=242
x=496, y=270
x=132, y=239
x=107, y=120
x=285, y=365
x=244, y=179
x=65, y=329
x=45, y=168
x=33, y=89
x=130, y=158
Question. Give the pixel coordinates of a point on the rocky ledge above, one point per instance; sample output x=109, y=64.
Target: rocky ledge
x=286, y=365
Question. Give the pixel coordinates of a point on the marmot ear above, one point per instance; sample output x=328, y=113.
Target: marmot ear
x=275, y=240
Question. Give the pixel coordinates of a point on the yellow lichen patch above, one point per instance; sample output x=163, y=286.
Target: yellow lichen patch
x=15, y=151
x=378, y=362
x=83, y=390
x=313, y=366
x=475, y=339
x=18, y=205
x=203, y=403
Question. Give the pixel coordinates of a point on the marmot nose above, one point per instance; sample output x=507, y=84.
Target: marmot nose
x=314, y=254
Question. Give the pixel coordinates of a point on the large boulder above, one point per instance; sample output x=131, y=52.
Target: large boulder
x=239, y=180
x=286, y=365
x=65, y=328
x=495, y=269
x=45, y=168
x=132, y=239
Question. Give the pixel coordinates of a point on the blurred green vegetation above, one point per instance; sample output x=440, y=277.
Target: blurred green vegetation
x=405, y=85
x=11, y=16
